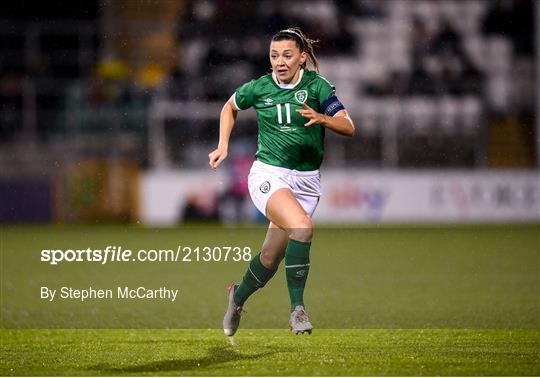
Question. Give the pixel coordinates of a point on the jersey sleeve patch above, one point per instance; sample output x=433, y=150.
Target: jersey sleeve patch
x=332, y=105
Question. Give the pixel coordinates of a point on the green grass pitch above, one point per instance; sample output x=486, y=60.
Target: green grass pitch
x=431, y=352
x=437, y=300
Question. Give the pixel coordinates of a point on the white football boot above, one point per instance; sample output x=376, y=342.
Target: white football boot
x=231, y=320
x=299, y=322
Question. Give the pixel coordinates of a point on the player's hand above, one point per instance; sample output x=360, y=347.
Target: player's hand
x=312, y=115
x=216, y=157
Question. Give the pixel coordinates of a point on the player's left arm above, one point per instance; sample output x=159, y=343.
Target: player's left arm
x=340, y=122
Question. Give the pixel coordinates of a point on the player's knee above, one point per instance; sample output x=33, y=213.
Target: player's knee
x=303, y=229
x=305, y=223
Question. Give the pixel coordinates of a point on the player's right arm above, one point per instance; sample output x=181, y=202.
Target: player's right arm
x=241, y=99
x=226, y=124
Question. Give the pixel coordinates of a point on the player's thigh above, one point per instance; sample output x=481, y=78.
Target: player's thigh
x=284, y=210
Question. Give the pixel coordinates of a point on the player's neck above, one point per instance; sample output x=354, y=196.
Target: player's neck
x=294, y=81
x=296, y=78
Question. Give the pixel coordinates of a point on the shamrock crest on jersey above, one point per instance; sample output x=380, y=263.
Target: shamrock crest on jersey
x=301, y=96
x=265, y=187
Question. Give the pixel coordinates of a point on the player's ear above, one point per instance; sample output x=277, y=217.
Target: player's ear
x=303, y=58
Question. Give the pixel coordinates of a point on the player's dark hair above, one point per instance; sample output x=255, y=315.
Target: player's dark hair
x=304, y=43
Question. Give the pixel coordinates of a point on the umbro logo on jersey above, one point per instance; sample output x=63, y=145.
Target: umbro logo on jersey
x=268, y=101
x=301, y=96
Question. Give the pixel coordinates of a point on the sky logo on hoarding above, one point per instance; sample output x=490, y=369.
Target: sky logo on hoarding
x=372, y=200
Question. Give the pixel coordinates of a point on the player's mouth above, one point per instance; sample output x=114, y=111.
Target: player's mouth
x=282, y=71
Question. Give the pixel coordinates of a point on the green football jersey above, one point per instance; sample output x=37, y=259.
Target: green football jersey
x=283, y=140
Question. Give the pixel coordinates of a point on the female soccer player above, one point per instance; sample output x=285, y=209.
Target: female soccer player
x=294, y=106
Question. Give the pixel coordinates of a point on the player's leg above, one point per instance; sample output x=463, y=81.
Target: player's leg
x=264, y=265
x=297, y=226
x=262, y=184
x=261, y=269
x=284, y=210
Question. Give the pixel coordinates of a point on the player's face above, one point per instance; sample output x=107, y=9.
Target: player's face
x=286, y=60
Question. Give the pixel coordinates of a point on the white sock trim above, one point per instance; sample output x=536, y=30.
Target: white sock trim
x=296, y=266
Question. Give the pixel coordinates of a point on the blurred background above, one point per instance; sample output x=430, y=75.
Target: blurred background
x=108, y=109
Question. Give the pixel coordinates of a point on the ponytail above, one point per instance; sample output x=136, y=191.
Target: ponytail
x=304, y=44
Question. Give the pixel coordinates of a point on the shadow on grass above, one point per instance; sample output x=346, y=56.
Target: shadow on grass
x=214, y=356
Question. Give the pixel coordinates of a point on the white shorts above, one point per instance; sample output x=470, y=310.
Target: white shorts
x=265, y=179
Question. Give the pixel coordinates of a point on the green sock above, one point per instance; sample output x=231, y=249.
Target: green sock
x=255, y=278
x=296, y=270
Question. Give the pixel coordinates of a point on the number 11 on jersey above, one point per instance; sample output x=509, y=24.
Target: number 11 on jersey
x=287, y=113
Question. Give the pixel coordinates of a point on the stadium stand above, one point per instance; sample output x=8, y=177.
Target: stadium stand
x=431, y=84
